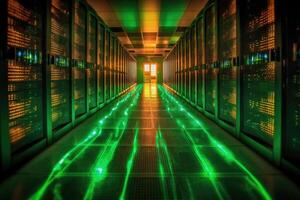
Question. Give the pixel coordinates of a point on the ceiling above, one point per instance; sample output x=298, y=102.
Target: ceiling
x=148, y=27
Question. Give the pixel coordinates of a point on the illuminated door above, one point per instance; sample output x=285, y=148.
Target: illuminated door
x=153, y=73
x=147, y=76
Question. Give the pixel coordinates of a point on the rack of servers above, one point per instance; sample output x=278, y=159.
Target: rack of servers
x=239, y=64
x=59, y=64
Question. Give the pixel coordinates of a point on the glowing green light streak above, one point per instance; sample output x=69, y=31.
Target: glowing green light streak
x=104, y=158
x=224, y=151
x=162, y=173
x=190, y=188
x=161, y=143
x=57, y=191
x=203, y=161
x=72, y=155
x=130, y=162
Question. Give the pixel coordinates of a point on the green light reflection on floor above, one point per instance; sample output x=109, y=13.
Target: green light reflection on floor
x=162, y=145
x=222, y=149
x=209, y=171
x=130, y=162
x=73, y=154
x=106, y=155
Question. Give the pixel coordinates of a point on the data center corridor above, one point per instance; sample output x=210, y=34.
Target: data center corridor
x=148, y=145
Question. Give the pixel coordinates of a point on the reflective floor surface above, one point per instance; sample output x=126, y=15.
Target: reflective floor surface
x=148, y=145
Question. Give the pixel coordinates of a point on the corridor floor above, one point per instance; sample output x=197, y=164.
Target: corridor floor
x=148, y=145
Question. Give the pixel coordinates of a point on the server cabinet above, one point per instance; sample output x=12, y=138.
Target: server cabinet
x=210, y=59
x=121, y=68
x=107, y=65
x=111, y=65
x=79, y=60
x=291, y=38
x=186, y=65
x=91, y=61
x=176, y=68
x=115, y=52
x=100, y=63
x=182, y=67
x=4, y=136
x=60, y=63
x=227, y=89
x=173, y=70
x=118, y=69
x=258, y=70
x=123, y=76
x=193, y=46
x=200, y=62
x=24, y=67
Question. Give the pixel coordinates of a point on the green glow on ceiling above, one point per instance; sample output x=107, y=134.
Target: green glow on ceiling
x=74, y=153
x=130, y=162
x=221, y=148
x=128, y=14
x=171, y=14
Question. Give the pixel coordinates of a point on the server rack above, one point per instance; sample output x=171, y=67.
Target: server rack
x=200, y=62
x=4, y=136
x=181, y=91
x=100, y=63
x=115, y=53
x=193, y=57
x=107, y=65
x=259, y=67
x=121, y=68
x=59, y=61
x=176, y=68
x=111, y=65
x=24, y=69
x=258, y=70
x=210, y=59
x=79, y=59
x=45, y=51
x=117, y=66
x=91, y=61
x=188, y=64
x=291, y=55
x=228, y=59
x=183, y=65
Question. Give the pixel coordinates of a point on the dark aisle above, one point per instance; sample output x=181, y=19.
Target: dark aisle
x=148, y=145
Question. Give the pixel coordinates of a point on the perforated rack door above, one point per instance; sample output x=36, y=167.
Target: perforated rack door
x=200, y=61
x=183, y=45
x=258, y=83
x=188, y=65
x=101, y=32
x=291, y=147
x=227, y=91
x=91, y=59
x=60, y=63
x=192, y=64
x=107, y=65
x=24, y=35
x=112, y=65
x=210, y=58
x=79, y=56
